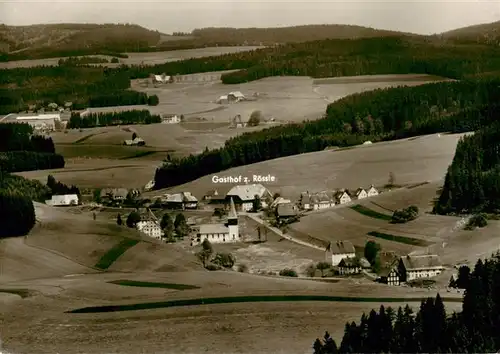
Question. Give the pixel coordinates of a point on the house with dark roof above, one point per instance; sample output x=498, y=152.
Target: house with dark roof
x=336, y=251
x=390, y=276
x=305, y=201
x=244, y=195
x=286, y=211
x=114, y=194
x=183, y=200
x=348, y=266
x=419, y=266
x=372, y=191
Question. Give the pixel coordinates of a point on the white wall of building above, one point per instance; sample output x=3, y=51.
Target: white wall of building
x=336, y=258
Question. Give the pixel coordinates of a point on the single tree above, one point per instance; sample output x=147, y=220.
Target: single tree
x=255, y=118
x=322, y=266
x=134, y=135
x=371, y=250
x=256, y=203
x=226, y=260
x=51, y=182
x=392, y=180
x=94, y=216
x=132, y=219
x=205, y=253
x=181, y=226
x=167, y=225
x=311, y=270
x=119, y=220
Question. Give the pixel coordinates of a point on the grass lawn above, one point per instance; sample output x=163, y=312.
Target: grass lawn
x=371, y=213
x=239, y=299
x=401, y=239
x=146, y=284
x=112, y=255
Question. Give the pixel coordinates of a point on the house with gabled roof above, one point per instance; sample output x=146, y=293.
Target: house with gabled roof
x=286, y=211
x=342, y=197
x=360, y=193
x=321, y=200
x=336, y=251
x=372, y=191
x=244, y=195
x=390, y=275
x=348, y=266
x=419, y=266
x=305, y=201
x=114, y=194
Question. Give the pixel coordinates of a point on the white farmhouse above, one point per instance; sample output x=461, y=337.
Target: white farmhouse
x=342, y=197
x=372, y=191
x=419, y=266
x=244, y=195
x=220, y=233
x=337, y=251
x=151, y=228
x=361, y=193
x=45, y=122
x=63, y=200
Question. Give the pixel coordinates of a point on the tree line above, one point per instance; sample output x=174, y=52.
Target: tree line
x=77, y=121
x=21, y=150
x=431, y=329
x=325, y=58
x=59, y=188
x=82, y=60
x=383, y=114
x=472, y=181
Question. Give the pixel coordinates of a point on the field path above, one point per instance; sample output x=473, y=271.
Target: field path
x=278, y=232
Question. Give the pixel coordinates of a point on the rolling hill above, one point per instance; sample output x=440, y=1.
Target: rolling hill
x=488, y=33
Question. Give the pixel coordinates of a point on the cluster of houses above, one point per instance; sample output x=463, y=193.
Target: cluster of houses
x=179, y=201
x=325, y=199
x=342, y=254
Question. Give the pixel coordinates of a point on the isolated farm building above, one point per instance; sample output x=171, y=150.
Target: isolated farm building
x=222, y=99
x=227, y=232
x=114, y=194
x=150, y=227
x=170, y=119
x=244, y=195
x=342, y=197
x=349, y=266
x=235, y=96
x=372, y=191
x=390, y=276
x=286, y=212
x=136, y=142
x=419, y=266
x=63, y=200
x=336, y=251
x=161, y=79
x=360, y=193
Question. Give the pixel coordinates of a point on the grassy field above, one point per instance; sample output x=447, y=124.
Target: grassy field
x=140, y=58
x=411, y=161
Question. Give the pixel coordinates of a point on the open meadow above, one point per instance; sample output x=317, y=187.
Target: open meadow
x=96, y=157
x=70, y=261
x=148, y=58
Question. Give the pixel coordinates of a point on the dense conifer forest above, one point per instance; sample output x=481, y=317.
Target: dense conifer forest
x=21, y=150
x=431, y=329
x=116, y=118
x=84, y=85
x=472, y=182
x=454, y=106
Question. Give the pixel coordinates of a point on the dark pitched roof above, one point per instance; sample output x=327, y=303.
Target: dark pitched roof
x=349, y=262
x=286, y=210
x=430, y=261
x=340, y=247
x=359, y=190
x=305, y=198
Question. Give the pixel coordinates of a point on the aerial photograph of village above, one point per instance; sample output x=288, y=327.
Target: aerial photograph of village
x=249, y=177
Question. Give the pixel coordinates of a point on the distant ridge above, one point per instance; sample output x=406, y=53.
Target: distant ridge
x=483, y=33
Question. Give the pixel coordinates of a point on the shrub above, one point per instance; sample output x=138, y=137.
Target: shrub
x=212, y=267
x=225, y=260
x=243, y=268
x=311, y=270
x=402, y=216
x=478, y=220
x=288, y=273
